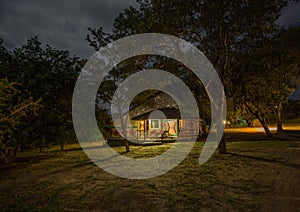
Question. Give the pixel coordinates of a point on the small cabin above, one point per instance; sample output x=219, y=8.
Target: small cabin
x=162, y=124
x=158, y=120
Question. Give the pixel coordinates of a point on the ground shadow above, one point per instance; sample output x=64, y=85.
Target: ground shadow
x=268, y=160
x=23, y=161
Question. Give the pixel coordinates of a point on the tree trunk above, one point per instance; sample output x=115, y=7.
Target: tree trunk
x=222, y=146
x=127, y=146
x=223, y=68
x=265, y=126
x=124, y=133
x=278, y=118
x=62, y=146
x=124, y=126
x=261, y=120
x=16, y=150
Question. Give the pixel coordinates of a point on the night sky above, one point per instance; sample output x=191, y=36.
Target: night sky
x=63, y=24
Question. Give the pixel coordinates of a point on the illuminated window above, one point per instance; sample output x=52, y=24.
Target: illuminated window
x=154, y=124
x=140, y=125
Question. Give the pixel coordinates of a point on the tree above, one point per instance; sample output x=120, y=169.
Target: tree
x=291, y=109
x=278, y=59
x=263, y=82
x=50, y=75
x=12, y=112
x=106, y=95
x=291, y=40
x=223, y=30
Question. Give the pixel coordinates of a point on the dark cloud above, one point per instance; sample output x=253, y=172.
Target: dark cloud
x=63, y=23
x=59, y=23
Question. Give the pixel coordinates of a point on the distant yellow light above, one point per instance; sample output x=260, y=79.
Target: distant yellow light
x=261, y=129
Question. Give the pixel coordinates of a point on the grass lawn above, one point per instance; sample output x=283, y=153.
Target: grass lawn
x=254, y=175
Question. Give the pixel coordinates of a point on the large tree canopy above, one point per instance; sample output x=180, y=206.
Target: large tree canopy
x=239, y=37
x=48, y=75
x=13, y=111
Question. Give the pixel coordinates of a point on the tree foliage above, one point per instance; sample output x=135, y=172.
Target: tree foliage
x=13, y=111
x=49, y=75
x=239, y=37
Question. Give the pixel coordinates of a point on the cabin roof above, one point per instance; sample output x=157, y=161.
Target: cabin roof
x=169, y=113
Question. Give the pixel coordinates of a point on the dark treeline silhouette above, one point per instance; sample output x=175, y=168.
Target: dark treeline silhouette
x=36, y=94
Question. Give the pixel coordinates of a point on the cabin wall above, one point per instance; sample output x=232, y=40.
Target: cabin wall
x=155, y=128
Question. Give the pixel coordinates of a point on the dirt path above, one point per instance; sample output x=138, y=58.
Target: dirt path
x=287, y=184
